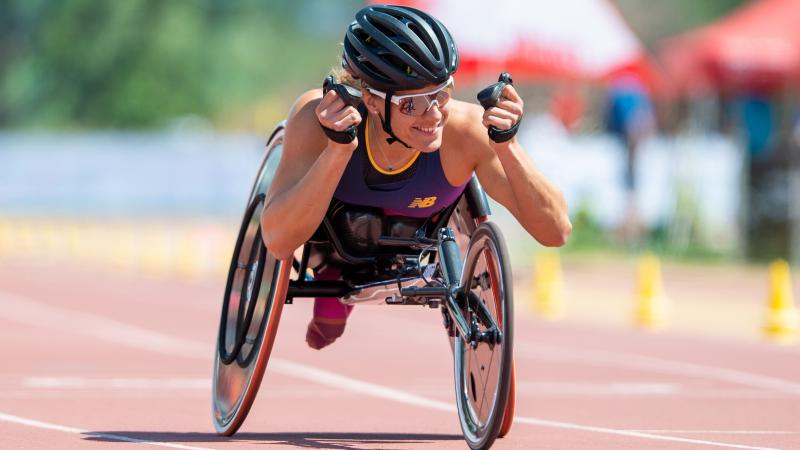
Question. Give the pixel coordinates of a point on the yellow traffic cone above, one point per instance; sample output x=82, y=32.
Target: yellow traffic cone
x=548, y=286
x=782, y=322
x=653, y=308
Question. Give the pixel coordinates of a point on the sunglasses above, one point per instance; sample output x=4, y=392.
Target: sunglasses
x=419, y=104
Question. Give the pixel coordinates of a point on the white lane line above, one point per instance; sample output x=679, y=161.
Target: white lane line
x=653, y=364
x=115, y=383
x=542, y=388
x=684, y=393
x=54, y=318
x=315, y=375
x=766, y=432
x=64, y=429
x=570, y=426
x=39, y=314
x=598, y=389
x=327, y=378
x=53, y=387
x=600, y=358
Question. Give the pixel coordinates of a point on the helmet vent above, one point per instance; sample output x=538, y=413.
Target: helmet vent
x=423, y=37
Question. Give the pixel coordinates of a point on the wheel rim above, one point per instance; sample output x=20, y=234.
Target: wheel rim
x=235, y=385
x=482, y=394
x=253, y=287
x=252, y=305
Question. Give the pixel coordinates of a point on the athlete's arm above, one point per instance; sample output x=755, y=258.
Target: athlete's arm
x=308, y=172
x=509, y=177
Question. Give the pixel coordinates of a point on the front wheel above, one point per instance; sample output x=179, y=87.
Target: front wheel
x=255, y=292
x=484, y=370
x=251, y=310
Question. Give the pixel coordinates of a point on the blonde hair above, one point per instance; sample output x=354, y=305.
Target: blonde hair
x=345, y=77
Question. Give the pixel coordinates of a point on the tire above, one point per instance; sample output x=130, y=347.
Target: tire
x=508, y=418
x=484, y=374
x=464, y=223
x=255, y=292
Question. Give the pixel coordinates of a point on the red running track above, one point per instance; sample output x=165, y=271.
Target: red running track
x=103, y=360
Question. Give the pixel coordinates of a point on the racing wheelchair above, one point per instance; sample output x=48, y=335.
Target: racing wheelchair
x=401, y=263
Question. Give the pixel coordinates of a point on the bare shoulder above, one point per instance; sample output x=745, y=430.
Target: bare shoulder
x=302, y=129
x=303, y=142
x=465, y=130
x=464, y=115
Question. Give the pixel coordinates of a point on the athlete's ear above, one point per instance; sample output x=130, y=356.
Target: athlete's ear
x=373, y=103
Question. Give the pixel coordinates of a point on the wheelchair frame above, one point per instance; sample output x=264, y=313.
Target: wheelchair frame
x=408, y=275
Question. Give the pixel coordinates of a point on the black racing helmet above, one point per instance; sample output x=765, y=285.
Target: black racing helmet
x=397, y=48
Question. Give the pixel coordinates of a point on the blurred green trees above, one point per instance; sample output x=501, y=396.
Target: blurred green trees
x=235, y=63
x=140, y=63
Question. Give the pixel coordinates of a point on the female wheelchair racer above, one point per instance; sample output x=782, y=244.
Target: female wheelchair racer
x=376, y=180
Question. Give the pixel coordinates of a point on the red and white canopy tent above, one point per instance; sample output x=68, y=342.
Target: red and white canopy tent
x=584, y=40
x=756, y=46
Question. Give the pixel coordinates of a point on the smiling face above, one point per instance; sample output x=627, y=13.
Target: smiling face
x=422, y=132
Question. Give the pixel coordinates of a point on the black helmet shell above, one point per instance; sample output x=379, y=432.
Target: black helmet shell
x=396, y=48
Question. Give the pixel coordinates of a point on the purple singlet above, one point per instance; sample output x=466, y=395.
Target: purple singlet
x=420, y=190
x=422, y=195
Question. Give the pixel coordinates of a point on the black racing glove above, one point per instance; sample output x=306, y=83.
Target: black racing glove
x=349, y=134
x=488, y=98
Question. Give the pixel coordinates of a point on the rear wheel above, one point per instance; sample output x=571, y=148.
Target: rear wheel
x=508, y=418
x=484, y=370
x=251, y=309
x=463, y=223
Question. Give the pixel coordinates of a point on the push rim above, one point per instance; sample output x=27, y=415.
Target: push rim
x=237, y=331
x=254, y=295
x=256, y=288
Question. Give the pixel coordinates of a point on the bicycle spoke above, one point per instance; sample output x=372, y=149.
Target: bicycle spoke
x=474, y=364
x=485, y=383
x=486, y=379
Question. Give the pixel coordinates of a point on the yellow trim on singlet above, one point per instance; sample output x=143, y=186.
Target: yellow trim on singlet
x=376, y=166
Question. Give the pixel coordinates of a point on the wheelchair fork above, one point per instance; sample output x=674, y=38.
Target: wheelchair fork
x=456, y=300
x=450, y=262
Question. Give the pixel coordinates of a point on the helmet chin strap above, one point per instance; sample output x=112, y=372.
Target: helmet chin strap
x=387, y=123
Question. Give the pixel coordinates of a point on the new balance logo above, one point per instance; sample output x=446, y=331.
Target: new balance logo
x=426, y=202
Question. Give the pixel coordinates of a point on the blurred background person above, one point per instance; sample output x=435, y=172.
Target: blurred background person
x=630, y=118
